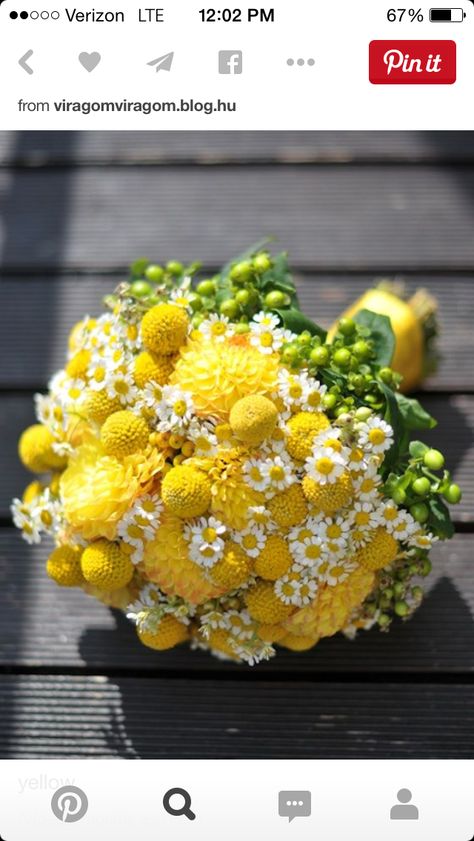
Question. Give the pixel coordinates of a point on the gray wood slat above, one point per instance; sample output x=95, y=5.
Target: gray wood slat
x=372, y=218
x=453, y=435
x=39, y=148
x=41, y=310
x=44, y=626
x=99, y=717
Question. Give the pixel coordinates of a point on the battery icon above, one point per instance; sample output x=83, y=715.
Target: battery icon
x=447, y=15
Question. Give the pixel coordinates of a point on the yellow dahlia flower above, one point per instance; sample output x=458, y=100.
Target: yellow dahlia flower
x=217, y=374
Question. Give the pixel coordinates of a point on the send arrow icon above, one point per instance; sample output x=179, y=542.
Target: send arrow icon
x=164, y=62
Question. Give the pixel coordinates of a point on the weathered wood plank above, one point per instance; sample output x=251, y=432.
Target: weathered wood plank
x=40, y=148
x=453, y=435
x=346, y=218
x=44, y=309
x=43, y=626
x=98, y=717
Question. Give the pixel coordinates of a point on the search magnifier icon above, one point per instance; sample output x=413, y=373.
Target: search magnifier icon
x=184, y=808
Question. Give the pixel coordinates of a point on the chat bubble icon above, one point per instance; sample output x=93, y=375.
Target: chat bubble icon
x=294, y=804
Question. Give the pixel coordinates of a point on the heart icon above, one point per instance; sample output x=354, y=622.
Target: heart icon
x=89, y=61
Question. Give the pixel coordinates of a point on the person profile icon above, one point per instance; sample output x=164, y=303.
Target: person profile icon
x=404, y=810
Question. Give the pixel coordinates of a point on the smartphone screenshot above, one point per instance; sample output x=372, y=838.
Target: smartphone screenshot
x=236, y=415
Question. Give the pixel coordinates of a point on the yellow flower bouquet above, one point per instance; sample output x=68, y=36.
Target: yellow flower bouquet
x=212, y=464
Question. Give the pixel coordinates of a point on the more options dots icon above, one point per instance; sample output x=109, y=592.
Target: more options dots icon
x=294, y=804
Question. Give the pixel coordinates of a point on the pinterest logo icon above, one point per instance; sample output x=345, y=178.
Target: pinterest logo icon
x=69, y=804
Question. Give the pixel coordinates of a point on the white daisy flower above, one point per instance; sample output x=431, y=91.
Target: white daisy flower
x=309, y=551
x=216, y=327
x=149, y=507
x=215, y=619
x=288, y=590
x=206, y=544
x=203, y=437
x=338, y=571
x=335, y=532
x=314, y=394
x=292, y=388
x=388, y=515
x=182, y=295
x=121, y=384
x=239, y=623
x=367, y=487
x=279, y=473
x=149, y=597
x=308, y=591
x=254, y=475
x=260, y=517
x=252, y=539
x=175, y=411
x=422, y=539
x=325, y=465
x=331, y=439
x=405, y=526
x=375, y=435
x=23, y=520
x=364, y=516
x=356, y=460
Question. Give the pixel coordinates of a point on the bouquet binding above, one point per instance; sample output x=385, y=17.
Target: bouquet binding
x=212, y=464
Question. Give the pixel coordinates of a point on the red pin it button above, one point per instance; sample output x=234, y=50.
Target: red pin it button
x=412, y=62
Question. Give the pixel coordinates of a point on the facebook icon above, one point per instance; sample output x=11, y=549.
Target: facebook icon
x=230, y=62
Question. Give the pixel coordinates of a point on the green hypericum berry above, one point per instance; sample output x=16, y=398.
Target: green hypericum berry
x=421, y=486
x=417, y=593
x=434, y=460
x=420, y=512
x=140, y=289
x=229, y=308
x=206, y=288
x=384, y=620
x=361, y=349
x=329, y=401
x=174, y=268
x=399, y=496
x=453, y=494
x=304, y=339
x=242, y=297
x=398, y=589
x=386, y=375
x=363, y=413
x=425, y=567
x=319, y=356
x=241, y=328
x=346, y=326
x=275, y=299
x=195, y=302
x=242, y=272
x=290, y=354
x=401, y=608
x=154, y=273
x=342, y=358
x=197, y=320
x=262, y=263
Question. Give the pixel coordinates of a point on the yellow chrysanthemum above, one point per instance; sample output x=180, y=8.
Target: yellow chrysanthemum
x=233, y=569
x=164, y=329
x=253, y=418
x=169, y=633
x=98, y=406
x=332, y=608
x=271, y=633
x=289, y=508
x=96, y=489
x=149, y=366
x=381, y=550
x=168, y=564
x=264, y=605
x=219, y=373
x=35, y=449
x=274, y=560
x=186, y=491
x=221, y=641
x=329, y=497
x=105, y=566
x=123, y=433
x=119, y=599
x=302, y=430
x=64, y=566
x=231, y=496
x=77, y=366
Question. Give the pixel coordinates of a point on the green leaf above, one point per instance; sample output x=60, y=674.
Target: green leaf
x=296, y=321
x=393, y=417
x=280, y=278
x=381, y=334
x=413, y=414
x=440, y=520
x=417, y=449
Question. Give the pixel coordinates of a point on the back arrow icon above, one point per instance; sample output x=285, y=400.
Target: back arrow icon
x=164, y=62
x=24, y=59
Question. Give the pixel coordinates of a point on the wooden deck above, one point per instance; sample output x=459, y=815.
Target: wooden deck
x=350, y=207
